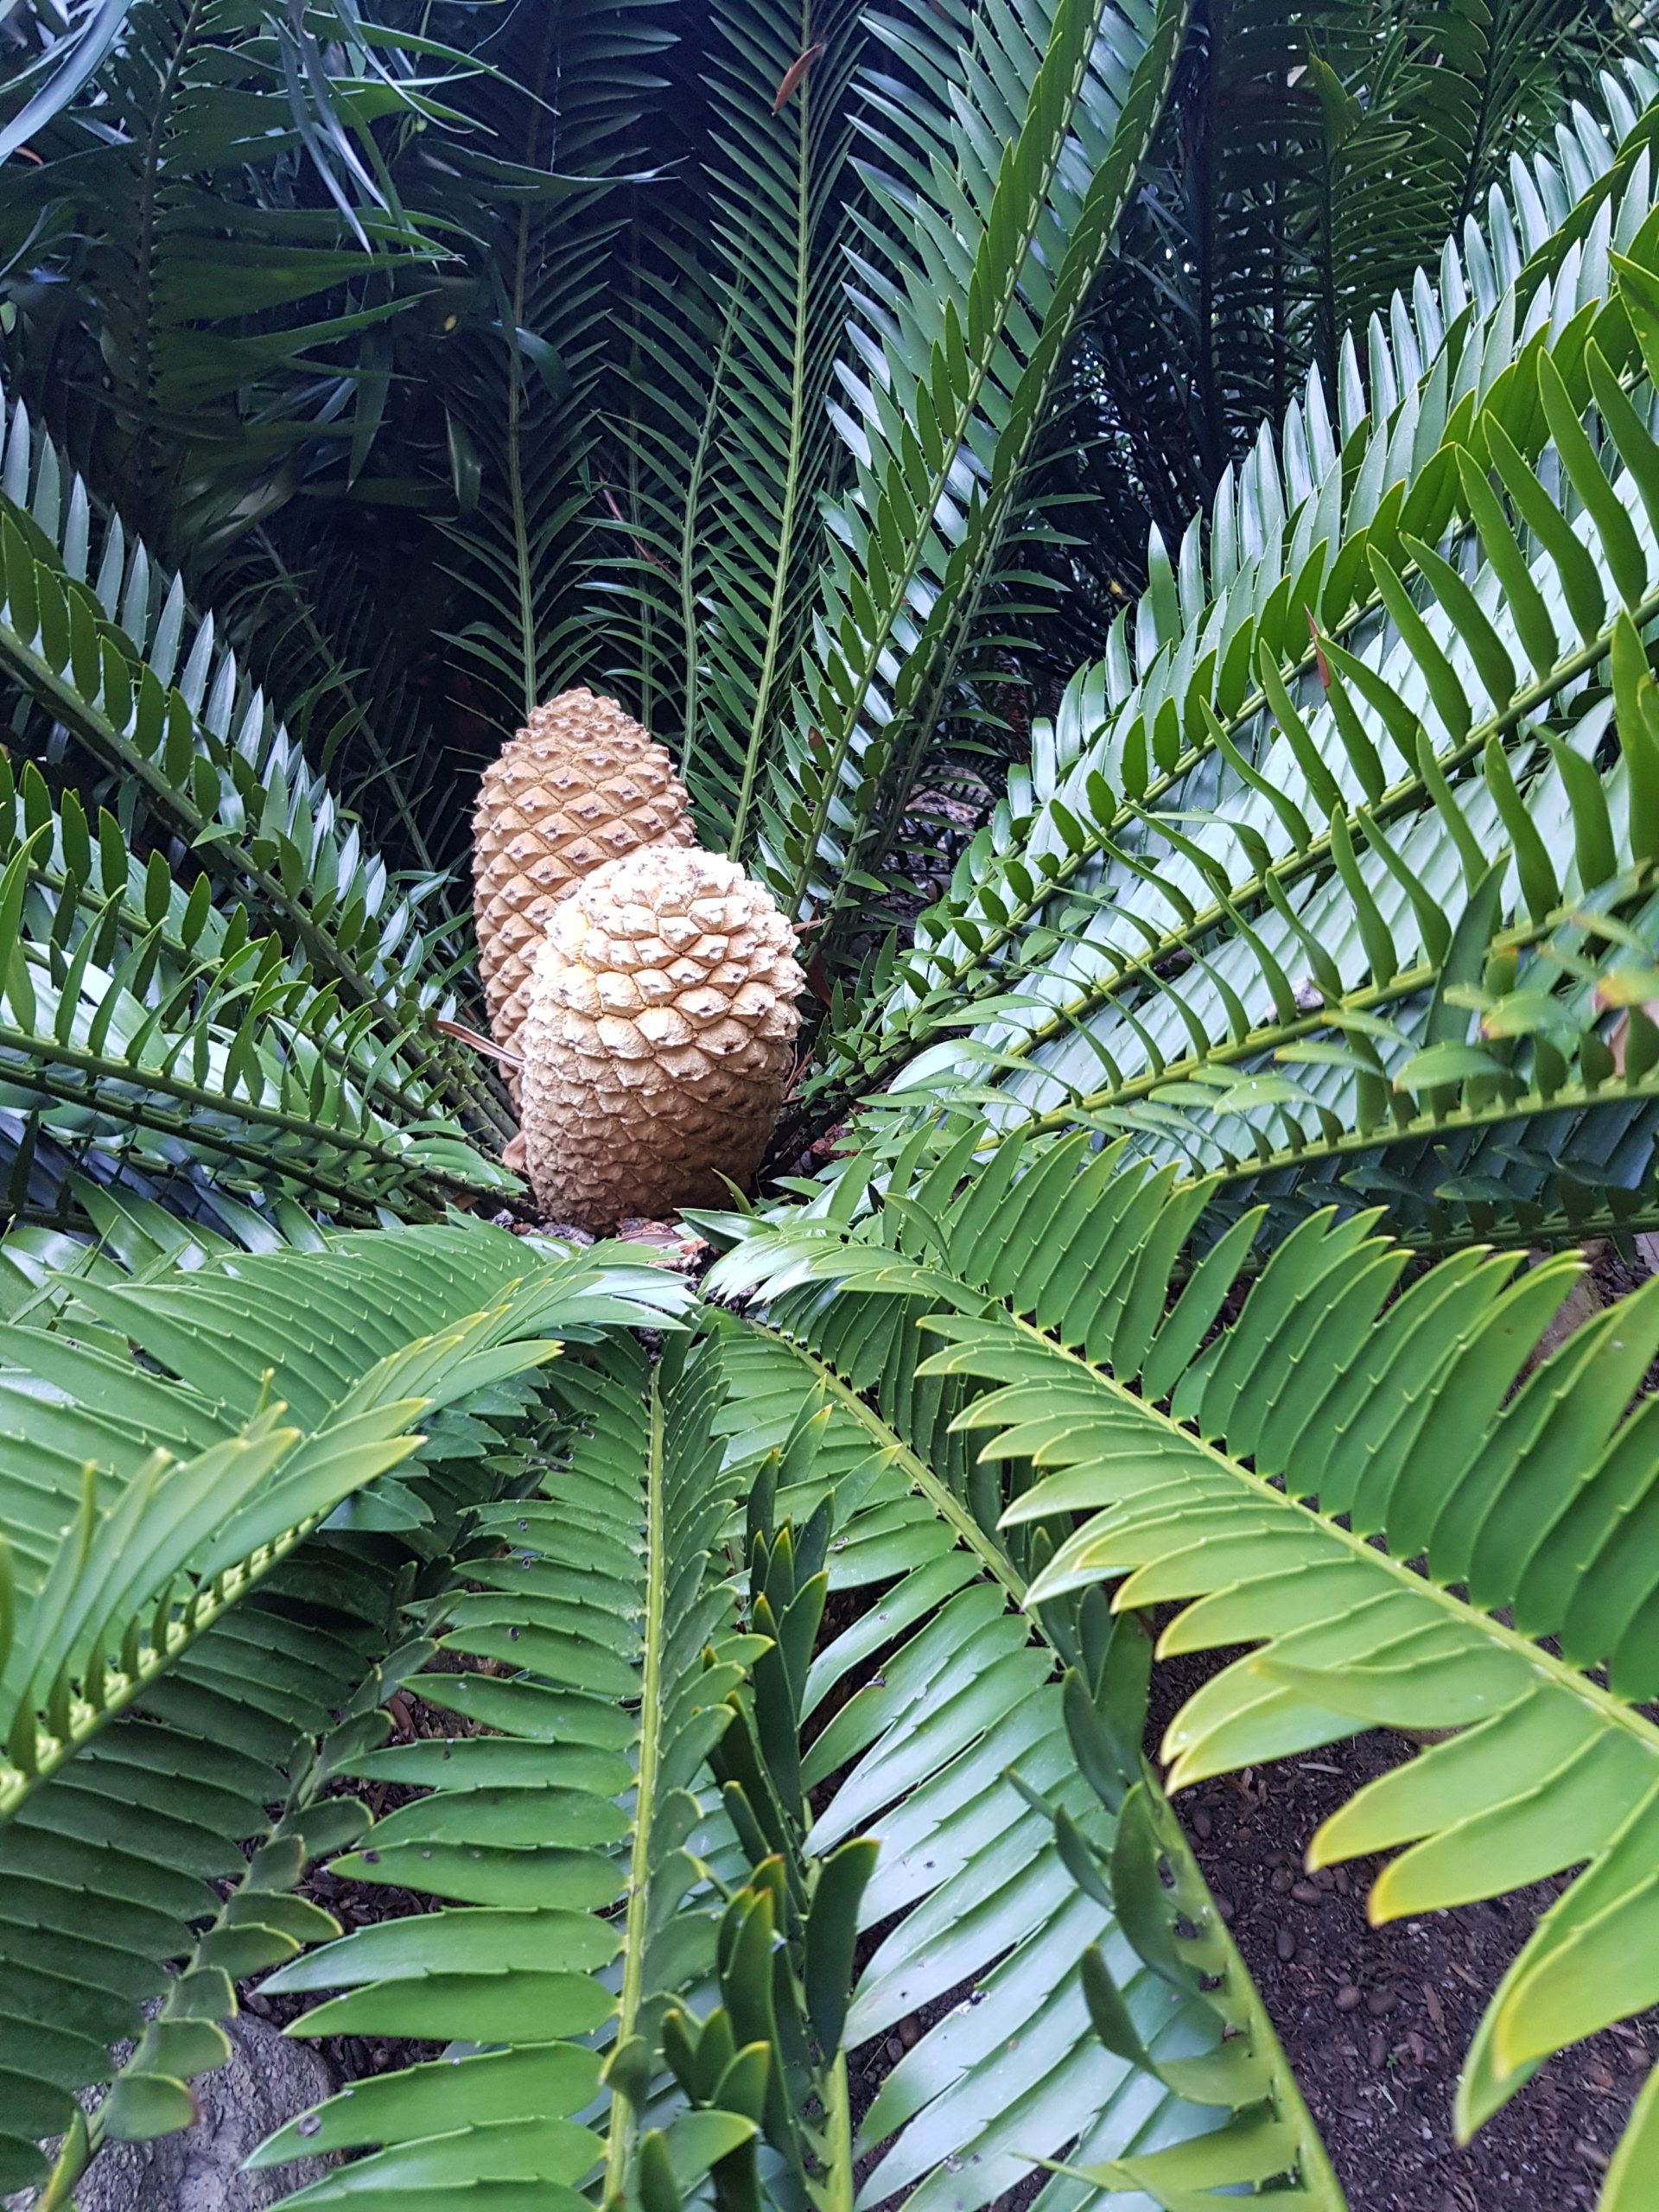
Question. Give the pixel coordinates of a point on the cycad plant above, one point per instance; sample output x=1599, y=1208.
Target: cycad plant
x=1180, y=1177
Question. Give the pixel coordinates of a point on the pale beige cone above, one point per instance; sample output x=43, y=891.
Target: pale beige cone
x=658, y=1040
x=581, y=784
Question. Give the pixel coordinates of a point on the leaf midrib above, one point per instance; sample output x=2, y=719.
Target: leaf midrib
x=636, y=1923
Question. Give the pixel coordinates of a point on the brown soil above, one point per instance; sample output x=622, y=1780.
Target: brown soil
x=1375, y=2021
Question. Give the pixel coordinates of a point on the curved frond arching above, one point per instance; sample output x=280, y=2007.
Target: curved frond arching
x=1270, y=518
x=1346, y=1479
x=1362, y=913
x=141, y=1025
x=187, y=1602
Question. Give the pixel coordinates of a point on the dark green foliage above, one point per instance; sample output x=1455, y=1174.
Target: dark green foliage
x=737, y=1671
x=1307, y=167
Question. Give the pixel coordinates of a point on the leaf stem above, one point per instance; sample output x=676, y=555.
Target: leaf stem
x=796, y=436
x=686, y=565
x=636, y=1930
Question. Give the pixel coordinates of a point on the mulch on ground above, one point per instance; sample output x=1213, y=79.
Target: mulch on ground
x=1376, y=2021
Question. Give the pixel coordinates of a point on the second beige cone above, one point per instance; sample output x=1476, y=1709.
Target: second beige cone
x=581, y=785
x=658, y=1038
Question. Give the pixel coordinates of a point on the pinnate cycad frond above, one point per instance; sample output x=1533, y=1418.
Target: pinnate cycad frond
x=198, y=1485
x=737, y=312
x=142, y=1029
x=998, y=180
x=560, y=1840
x=106, y=653
x=1339, y=890
x=957, y=1755
x=1358, y=1472
x=523, y=381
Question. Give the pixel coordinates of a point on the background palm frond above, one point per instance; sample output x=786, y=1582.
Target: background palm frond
x=1306, y=168
x=737, y=306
